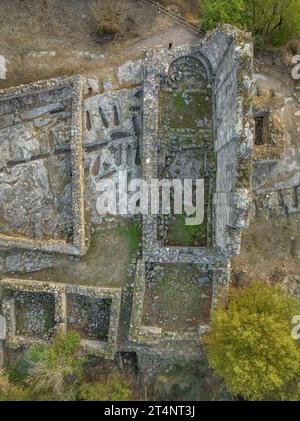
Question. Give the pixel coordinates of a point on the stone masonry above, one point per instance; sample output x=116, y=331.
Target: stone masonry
x=183, y=112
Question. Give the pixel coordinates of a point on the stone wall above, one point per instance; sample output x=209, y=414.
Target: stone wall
x=41, y=172
x=112, y=141
x=140, y=332
x=59, y=139
x=226, y=58
x=37, y=311
x=281, y=198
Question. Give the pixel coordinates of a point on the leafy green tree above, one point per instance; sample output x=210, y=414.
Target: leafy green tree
x=274, y=21
x=57, y=367
x=271, y=21
x=250, y=344
x=215, y=12
x=113, y=388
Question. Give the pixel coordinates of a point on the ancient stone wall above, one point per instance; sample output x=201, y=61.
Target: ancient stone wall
x=227, y=68
x=61, y=138
x=41, y=174
x=37, y=311
x=217, y=70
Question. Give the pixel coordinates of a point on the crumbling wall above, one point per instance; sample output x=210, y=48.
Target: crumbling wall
x=37, y=311
x=226, y=61
x=41, y=173
x=67, y=136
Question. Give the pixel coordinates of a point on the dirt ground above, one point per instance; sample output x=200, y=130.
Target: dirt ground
x=104, y=265
x=266, y=253
x=177, y=302
x=47, y=38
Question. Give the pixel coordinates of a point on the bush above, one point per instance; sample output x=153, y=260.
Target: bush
x=55, y=368
x=250, y=344
x=10, y=391
x=107, y=14
x=271, y=21
x=113, y=388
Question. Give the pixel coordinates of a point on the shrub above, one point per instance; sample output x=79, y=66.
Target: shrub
x=57, y=367
x=107, y=14
x=271, y=21
x=274, y=21
x=113, y=388
x=250, y=344
x=10, y=391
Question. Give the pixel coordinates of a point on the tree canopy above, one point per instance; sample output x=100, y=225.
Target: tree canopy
x=250, y=343
x=270, y=21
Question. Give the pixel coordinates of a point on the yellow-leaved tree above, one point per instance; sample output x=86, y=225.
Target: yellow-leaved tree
x=250, y=343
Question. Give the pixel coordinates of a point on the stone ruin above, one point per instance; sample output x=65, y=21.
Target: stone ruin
x=187, y=115
x=206, y=132
x=37, y=311
x=41, y=171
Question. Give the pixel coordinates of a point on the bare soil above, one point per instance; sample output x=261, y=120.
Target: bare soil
x=47, y=38
x=177, y=302
x=266, y=253
x=104, y=265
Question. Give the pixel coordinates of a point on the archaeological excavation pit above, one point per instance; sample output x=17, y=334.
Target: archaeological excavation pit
x=40, y=167
x=35, y=314
x=31, y=315
x=90, y=316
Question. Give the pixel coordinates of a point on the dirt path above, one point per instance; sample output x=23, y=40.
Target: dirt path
x=177, y=35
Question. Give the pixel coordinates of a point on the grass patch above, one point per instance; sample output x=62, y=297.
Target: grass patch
x=104, y=265
x=180, y=114
x=133, y=236
x=186, y=235
x=107, y=14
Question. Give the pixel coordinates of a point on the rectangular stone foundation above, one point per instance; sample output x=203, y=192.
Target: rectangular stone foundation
x=41, y=167
x=37, y=311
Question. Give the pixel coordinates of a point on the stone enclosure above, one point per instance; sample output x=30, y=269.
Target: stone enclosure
x=41, y=185
x=38, y=311
x=187, y=115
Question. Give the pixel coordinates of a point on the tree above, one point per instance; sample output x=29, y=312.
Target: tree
x=215, y=12
x=57, y=367
x=274, y=21
x=250, y=344
x=271, y=21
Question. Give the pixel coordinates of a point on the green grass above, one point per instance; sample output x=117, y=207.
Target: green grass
x=186, y=235
x=133, y=235
x=182, y=115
